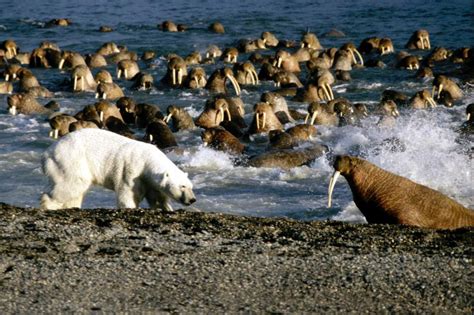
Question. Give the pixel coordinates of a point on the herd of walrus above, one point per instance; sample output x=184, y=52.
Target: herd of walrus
x=302, y=70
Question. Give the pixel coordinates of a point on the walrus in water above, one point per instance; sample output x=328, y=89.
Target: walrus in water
x=60, y=125
x=158, y=133
x=218, y=79
x=443, y=83
x=128, y=68
x=25, y=104
x=288, y=158
x=384, y=197
x=264, y=119
x=421, y=100
x=108, y=91
x=180, y=118
x=215, y=111
x=419, y=40
x=220, y=139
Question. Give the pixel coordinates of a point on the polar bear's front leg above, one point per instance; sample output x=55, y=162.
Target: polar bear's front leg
x=126, y=198
x=158, y=200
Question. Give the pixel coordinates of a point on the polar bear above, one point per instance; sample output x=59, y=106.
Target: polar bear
x=133, y=169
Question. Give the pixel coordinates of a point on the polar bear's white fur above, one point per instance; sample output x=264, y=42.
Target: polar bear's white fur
x=133, y=169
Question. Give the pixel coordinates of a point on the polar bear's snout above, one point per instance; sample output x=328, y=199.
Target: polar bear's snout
x=187, y=197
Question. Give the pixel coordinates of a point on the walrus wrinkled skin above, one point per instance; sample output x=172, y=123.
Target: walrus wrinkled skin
x=220, y=139
x=384, y=197
x=181, y=120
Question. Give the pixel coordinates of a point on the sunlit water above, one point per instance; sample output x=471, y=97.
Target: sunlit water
x=427, y=151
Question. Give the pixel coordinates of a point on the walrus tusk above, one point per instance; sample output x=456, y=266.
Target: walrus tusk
x=360, y=57
x=255, y=75
x=257, y=120
x=330, y=91
x=228, y=58
x=313, y=117
x=207, y=55
x=54, y=134
x=432, y=102
x=97, y=95
x=228, y=114
x=203, y=81
x=180, y=76
x=241, y=111
x=468, y=116
x=101, y=116
x=75, y=83
x=83, y=79
x=119, y=73
x=61, y=64
x=306, y=118
x=125, y=74
x=7, y=77
x=264, y=116
x=277, y=84
x=173, y=74
x=328, y=96
x=150, y=137
x=167, y=118
x=395, y=113
x=353, y=57
x=422, y=43
x=332, y=183
x=235, y=84
x=440, y=88
x=12, y=110
x=279, y=60
x=252, y=78
x=235, y=59
x=104, y=96
x=428, y=44
x=217, y=120
x=302, y=45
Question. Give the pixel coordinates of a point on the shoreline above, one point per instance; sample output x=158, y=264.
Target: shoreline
x=138, y=260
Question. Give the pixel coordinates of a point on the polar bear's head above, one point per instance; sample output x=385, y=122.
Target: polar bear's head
x=178, y=186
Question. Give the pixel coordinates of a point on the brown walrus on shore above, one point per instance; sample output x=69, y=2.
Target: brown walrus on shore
x=384, y=197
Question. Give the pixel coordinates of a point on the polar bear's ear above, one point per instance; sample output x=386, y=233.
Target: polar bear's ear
x=165, y=178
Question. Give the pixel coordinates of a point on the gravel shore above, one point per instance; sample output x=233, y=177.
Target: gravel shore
x=142, y=260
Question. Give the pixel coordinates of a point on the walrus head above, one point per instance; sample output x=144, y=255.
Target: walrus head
x=343, y=164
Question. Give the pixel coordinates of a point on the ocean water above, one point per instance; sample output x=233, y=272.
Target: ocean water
x=432, y=154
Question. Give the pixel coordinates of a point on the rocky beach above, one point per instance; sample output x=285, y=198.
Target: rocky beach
x=142, y=260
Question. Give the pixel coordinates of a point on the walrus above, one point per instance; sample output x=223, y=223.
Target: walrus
x=218, y=79
x=108, y=49
x=419, y=40
x=180, y=118
x=60, y=125
x=108, y=91
x=82, y=79
x=176, y=73
x=143, y=81
x=193, y=58
x=71, y=59
x=443, y=83
x=230, y=55
x=310, y=40
x=10, y=47
x=264, y=119
x=217, y=27
x=321, y=114
x=6, y=87
x=215, y=111
x=168, y=26
x=82, y=124
x=96, y=60
x=127, y=107
x=245, y=73
x=196, y=78
x=25, y=104
x=288, y=158
x=117, y=125
x=147, y=113
x=103, y=76
x=269, y=39
x=128, y=68
x=158, y=133
x=278, y=104
x=220, y=139
x=422, y=99
x=106, y=110
x=384, y=197
x=286, y=61
x=10, y=72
